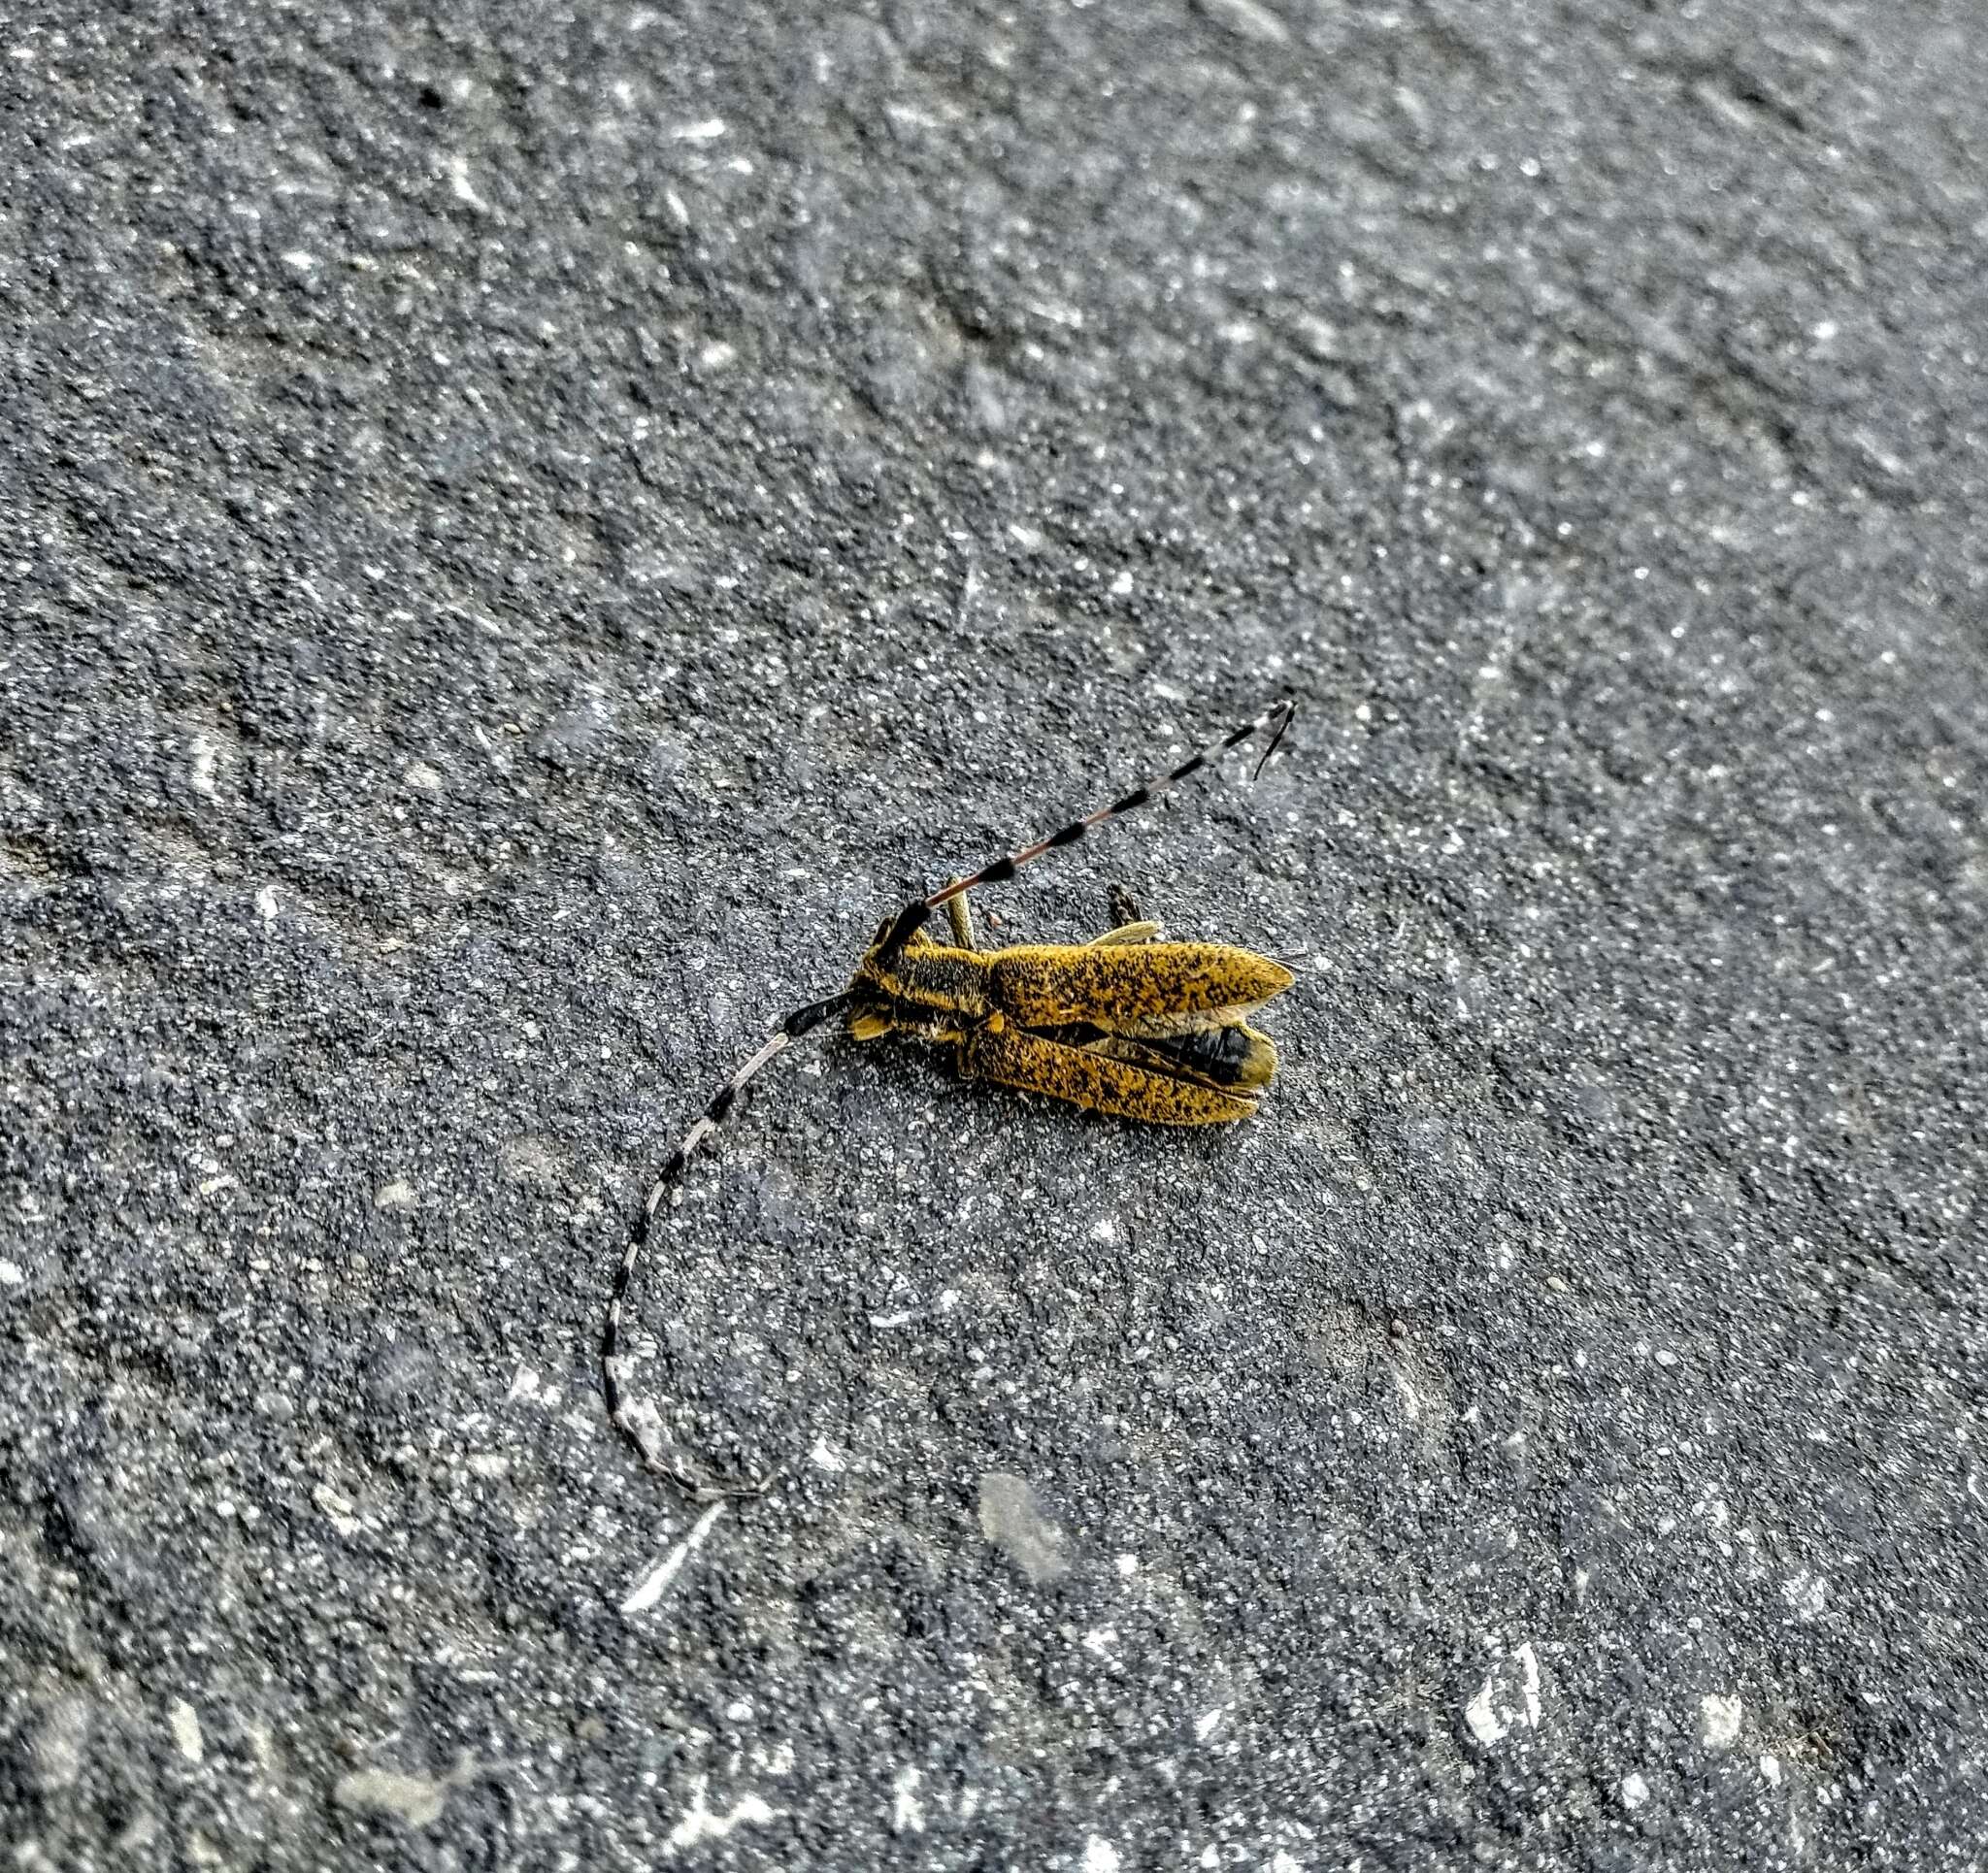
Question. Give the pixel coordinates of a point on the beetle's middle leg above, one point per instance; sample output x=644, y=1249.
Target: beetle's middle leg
x=1127, y=925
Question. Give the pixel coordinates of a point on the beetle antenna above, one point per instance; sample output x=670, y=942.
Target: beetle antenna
x=1277, y=719
x=634, y=1420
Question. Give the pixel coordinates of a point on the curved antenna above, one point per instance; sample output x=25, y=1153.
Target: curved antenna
x=644, y=1429
x=1277, y=718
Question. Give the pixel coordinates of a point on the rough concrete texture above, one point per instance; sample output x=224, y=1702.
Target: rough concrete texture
x=523, y=530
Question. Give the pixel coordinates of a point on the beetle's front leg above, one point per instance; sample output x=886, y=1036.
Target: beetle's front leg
x=961, y=918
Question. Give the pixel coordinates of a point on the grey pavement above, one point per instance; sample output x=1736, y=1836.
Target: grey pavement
x=524, y=530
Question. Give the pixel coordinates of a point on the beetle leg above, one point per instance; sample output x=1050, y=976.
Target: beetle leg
x=1135, y=933
x=961, y=919
x=1127, y=925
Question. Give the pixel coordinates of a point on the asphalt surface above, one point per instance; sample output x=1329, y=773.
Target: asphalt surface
x=525, y=531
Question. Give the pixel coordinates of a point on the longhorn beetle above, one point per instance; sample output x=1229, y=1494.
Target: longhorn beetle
x=1124, y=1024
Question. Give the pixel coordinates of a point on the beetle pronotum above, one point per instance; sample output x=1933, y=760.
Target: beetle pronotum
x=1127, y=1024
